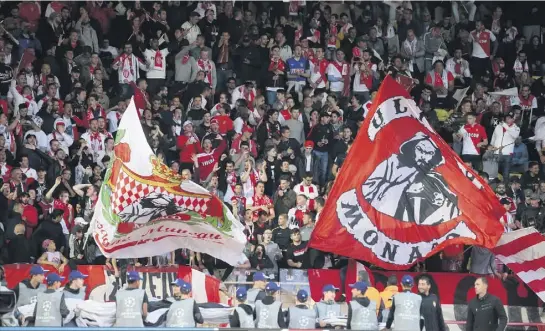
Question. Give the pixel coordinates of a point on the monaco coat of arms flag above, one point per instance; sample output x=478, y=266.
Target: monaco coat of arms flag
x=402, y=193
x=145, y=209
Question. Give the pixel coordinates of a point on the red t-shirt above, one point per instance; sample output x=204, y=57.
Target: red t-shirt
x=58, y=204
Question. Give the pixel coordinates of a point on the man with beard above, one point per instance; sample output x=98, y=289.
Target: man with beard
x=431, y=306
x=534, y=214
x=422, y=194
x=531, y=178
x=501, y=193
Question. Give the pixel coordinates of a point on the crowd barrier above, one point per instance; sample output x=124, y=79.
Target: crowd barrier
x=523, y=307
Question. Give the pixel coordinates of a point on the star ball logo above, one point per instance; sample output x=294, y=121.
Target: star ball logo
x=129, y=302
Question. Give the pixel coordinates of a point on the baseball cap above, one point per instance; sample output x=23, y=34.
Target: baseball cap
x=329, y=288
x=187, y=123
x=505, y=201
x=259, y=276
x=133, y=276
x=309, y=143
x=54, y=277
x=272, y=287
x=214, y=121
x=528, y=192
x=510, y=114
x=182, y=284
x=248, y=129
x=534, y=196
x=241, y=293
x=362, y=286
x=76, y=275
x=407, y=280
x=514, y=179
x=302, y=296
x=37, y=270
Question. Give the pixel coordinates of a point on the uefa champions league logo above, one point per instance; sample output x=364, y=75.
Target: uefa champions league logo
x=129, y=302
x=179, y=313
x=408, y=304
x=304, y=321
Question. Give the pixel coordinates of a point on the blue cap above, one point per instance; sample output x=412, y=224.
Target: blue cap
x=76, y=275
x=272, y=287
x=329, y=288
x=259, y=276
x=133, y=276
x=37, y=270
x=54, y=277
x=407, y=280
x=362, y=286
x=241, y=293
x=183, y=285
x=302, y=296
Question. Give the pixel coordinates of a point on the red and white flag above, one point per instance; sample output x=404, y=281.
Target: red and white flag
x=405, y=194
x=523, y=251
x=205, y=287
x=146, y=209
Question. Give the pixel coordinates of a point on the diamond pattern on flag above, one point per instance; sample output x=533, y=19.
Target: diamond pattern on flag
x=128, y=191
x=523, y=251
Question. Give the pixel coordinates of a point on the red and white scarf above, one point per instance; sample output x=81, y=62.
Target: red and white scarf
x=311, y=192
x=158, y=60
x=205, y=66
x=96, y=141
x=127, y=68
x=342, y=67
x=185, y=58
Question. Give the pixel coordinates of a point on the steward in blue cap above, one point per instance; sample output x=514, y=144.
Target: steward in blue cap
x=131, y=303
x=51, y=309
x=405, y=311
x=362, y=311
x=302, y=315
x=243, y=314
x=27, y=290
x=328, y=308
x=257, y=292
x=268, y=312
x=76, y=286
x=184, y=312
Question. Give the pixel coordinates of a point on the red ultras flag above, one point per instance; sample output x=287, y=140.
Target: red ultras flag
x=404, y=194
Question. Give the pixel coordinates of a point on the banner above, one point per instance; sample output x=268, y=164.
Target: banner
x=404, y=195
x=523, y=251
x=102, y=284
x=146, y=209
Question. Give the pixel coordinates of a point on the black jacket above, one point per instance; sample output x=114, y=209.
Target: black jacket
x=486, y=314
x=234, y=320
x=268, y=300
x=432, y=313
x=364, y=302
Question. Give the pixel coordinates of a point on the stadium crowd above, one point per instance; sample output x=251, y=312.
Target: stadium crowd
x=259, y=102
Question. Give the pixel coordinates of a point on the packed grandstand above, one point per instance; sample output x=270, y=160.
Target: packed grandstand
x=172, y=163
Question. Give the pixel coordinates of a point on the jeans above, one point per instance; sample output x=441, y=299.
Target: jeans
x=504, y=165
x=323, y=161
